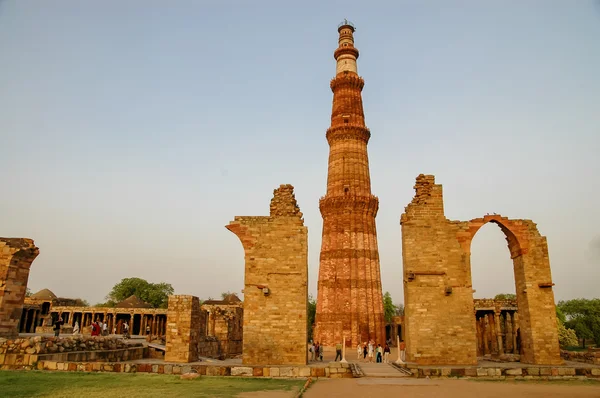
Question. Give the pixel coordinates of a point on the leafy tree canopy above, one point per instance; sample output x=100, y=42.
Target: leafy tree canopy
x=389, y=309
x=583, y=316
x=28, y=292
x=156, y=294
x=505, y=296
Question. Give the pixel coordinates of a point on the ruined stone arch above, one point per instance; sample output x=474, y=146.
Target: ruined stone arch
x=438, y=292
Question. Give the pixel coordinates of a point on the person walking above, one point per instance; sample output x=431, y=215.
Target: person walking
x=379, y=353
x=386, y=353
x=321, y=352
x=57, y=326
x=338, y=351
x=365, y=351
x=371, y=349
x=359, y=351
x=312, y=351
x=104, y=328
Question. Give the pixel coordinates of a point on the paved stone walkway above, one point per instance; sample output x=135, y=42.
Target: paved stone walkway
x=380, y=370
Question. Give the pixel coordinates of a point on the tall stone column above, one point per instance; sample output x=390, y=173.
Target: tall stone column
x=16, y=256
x=509, y=335
x=349, y=299
x=498, y=333
x=515, y=327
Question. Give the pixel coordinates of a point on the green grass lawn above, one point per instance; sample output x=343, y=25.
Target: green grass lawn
x=90, y=385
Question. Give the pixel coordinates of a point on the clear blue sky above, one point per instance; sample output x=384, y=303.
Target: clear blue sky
x=132, y=132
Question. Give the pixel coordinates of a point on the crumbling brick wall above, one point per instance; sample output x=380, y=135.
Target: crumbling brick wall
x=438, y=292
x=276, y=256
x=16, y=256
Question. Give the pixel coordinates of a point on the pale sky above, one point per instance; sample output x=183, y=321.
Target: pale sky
x=132, y=132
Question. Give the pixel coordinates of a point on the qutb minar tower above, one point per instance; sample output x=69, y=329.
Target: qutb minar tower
x=349, y=299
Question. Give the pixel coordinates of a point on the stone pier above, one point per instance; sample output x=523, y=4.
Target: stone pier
x=16, y=256
x=275, y=283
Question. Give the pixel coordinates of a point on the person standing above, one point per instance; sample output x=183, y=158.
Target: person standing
x=125, y=330
x=57, y=326
x=104, y=328
x=359, y=351
x=365, y=351
x=402, y=349
x=386, y=353
x=76, y=328
x=379, y=353
x=338, y=351
x=371, y=349
x=321, y=352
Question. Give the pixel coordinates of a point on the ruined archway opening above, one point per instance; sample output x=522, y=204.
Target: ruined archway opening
x=495, y=293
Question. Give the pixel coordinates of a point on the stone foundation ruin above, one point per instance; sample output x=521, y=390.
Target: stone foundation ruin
x=438, y=292
x=275, y=282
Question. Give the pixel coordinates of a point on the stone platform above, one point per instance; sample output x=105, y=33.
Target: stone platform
x=500, y=370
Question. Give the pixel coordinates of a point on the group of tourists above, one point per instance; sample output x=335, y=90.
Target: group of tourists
x=368, y=350
x=99, y=328
x=316, y=351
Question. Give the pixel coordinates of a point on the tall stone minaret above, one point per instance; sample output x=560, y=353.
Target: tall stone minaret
x=349, y=299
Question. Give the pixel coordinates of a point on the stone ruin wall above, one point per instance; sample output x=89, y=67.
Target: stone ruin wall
x=276, y=257
x=224, y=322
x=438, y=292
x=16, y=256
x=194, y=332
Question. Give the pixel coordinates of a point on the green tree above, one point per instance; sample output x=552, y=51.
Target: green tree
x=389, y=309
x=583, y=316
x=312, y=313
x=156, y=294
x=225, y=294
x=505, y=296
x=28, y=292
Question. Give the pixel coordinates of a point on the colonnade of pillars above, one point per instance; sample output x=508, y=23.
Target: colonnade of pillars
x=497, y=333
x=30, y=319
x=139, y=324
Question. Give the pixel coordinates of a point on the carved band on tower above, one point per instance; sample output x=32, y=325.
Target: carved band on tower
x=349, y=299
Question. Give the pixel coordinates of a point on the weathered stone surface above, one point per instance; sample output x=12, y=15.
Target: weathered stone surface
x=183, y=329
x=438, y=293
x=275, y=283
x=514, y=372
x=241, y=371
x=349, y=299
x=16, y=256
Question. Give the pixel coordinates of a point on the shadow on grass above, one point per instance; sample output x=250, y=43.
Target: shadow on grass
x=91, y=385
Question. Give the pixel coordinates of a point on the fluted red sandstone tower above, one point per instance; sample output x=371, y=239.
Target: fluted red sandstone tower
x=349, y=300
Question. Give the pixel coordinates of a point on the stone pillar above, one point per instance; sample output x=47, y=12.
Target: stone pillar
x=508, y=332
x=16, y=256
x=183, y=329
x=479, y=342
x=275, y=283
x=515, y=326
x=498, y=333
x=485, y=335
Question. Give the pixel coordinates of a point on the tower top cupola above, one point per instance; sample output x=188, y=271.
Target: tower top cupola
x=346, y=54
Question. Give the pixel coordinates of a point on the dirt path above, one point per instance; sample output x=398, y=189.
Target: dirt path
x=422, y=388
